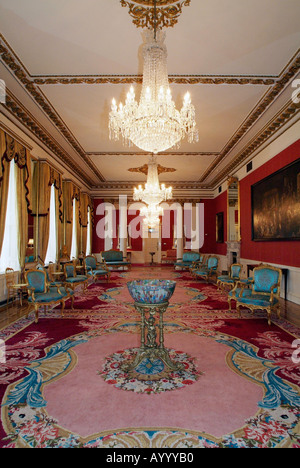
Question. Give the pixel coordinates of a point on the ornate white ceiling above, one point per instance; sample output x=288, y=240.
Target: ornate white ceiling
x=63, y=61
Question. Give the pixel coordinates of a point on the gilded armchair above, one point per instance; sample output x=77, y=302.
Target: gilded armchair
x=71, y=278
x=231, y=279
x=262, y=292
x=209, y=270
x=41, y=294
x=95, y=269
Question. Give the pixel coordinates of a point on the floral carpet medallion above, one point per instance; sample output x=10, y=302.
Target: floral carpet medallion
x=149, y=377
x=62, y=384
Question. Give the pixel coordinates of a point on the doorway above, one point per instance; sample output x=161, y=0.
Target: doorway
x=152, y=244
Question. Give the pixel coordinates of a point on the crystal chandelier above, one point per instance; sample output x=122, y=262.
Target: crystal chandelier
x=152, y=195
x=154, y=124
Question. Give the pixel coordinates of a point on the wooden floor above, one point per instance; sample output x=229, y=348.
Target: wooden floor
x=9, y=314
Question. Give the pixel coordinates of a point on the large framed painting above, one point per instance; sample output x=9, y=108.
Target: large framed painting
x=220, y=227
x=276, y=205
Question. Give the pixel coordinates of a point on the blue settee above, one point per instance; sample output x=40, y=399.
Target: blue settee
x=188, y=260
x=114, y=258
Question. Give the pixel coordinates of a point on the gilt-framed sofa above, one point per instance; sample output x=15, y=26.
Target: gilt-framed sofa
x=114, y=258
x=188, y=260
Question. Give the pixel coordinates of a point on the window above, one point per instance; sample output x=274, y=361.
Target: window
x=74, y=232
x=88, y=234
x=52, y=244
x=10, y=254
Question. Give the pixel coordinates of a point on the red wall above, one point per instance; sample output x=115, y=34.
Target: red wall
x=280, y=252
x=98, y=243
x=211, y=208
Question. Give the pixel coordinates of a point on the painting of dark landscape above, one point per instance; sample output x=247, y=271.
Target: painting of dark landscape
x=276, y=205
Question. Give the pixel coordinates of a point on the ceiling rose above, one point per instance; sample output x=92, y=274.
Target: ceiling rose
x=142, y=12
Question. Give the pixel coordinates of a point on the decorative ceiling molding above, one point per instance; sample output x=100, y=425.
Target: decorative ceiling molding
x=21, y=113
x=167, y=13
x=283, y=117
x=144, y=169
x=137, y=79
x=13, y=63
x=31, y=84
x=267, y=100
x=166, y=153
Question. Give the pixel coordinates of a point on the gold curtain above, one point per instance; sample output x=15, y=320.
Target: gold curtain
x=10, y=149
x=56, y=180
x=4, y=182
x=41, y=208
x=44, y=176
x=23, y=183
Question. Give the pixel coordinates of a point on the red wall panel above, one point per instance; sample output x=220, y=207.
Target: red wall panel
x=280, y=252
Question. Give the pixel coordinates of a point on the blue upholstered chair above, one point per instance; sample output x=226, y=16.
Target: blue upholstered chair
x=209, y=270
x=200, y=264
x=94, y=269
x=55, y=279
x=262, y=292
x=188, y=260
x=71, y=278
x=41, y=294
x=230, y=280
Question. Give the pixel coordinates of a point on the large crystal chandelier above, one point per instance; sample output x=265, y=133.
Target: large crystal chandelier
x=153, y=194
x=154, y=124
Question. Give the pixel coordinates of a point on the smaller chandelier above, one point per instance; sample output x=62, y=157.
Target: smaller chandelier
x=153, y=194
x=151, y=215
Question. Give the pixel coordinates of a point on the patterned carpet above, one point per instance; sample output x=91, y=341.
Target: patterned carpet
x=63, y=383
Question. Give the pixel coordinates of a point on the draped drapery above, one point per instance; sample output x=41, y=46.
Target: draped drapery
x=70, y=193
x=11, y=149
x=4, y=183
x=44, y=176
x=85, y=203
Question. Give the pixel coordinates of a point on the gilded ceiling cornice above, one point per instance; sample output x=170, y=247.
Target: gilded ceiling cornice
x=22, y=114
x=173, y=79
x=287, y=113
x=21, y=73
x=183, y=185
x=142, y=12
x=31, y=84
x=257, y=112
x=166, y=153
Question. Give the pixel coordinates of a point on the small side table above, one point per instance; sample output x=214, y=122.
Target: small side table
x=152, y=254
x=20, y=287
